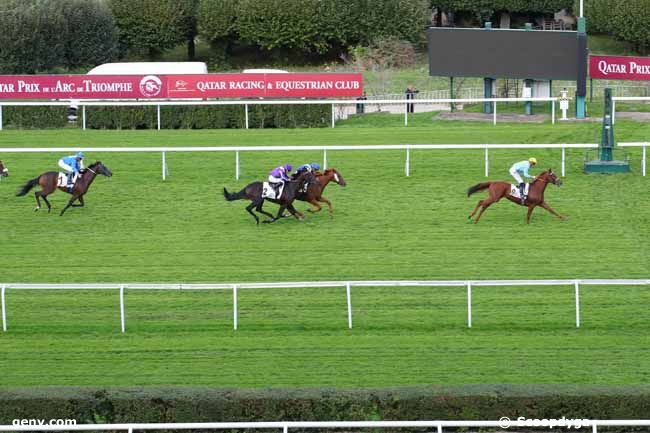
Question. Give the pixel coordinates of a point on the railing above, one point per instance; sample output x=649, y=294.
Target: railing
x=643, y=146
x=407, y=147
x=246, y=103
x=284, y=426
x=468, y=284
x=623, y=99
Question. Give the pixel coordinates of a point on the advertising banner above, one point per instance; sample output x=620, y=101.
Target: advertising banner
x=619, y=68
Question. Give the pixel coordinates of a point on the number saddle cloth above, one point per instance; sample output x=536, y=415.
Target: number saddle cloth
x=514, y=190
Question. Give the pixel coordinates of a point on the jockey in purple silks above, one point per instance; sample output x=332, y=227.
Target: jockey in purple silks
x=280, y=174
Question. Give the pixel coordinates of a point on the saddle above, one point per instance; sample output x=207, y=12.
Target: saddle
x=272, y=191
x=62, y=181
x=514, y=190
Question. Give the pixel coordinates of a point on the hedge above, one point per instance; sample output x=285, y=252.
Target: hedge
x=180, y=404
x=197, y=117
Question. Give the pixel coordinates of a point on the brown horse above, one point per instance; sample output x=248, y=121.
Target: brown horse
x=315, y=190
x=48, y=183
x=498, y=190
x=4, y=171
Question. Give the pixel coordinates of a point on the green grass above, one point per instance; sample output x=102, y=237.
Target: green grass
x=137, y=228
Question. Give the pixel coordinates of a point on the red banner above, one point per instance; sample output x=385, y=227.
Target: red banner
x=180, y=86
x=619, y=68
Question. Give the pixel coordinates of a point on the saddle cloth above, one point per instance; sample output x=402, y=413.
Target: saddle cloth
x=62, y=180
x=514, y=190
x=269, y=192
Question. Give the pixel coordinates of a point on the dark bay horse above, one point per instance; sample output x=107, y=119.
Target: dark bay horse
x=4, y=171
x=498, y=190
x=48, y=183
x=253, y=192
x=314, y=193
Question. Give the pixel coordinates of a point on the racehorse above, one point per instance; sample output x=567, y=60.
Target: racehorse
x=498, y=190
x=253, y=192
x=314, y=192
x=4, y=171
x=48, y=183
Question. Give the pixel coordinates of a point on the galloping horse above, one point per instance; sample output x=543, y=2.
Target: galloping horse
x=4, y=171
x=498, y=190
x=315, y=190
x=48, y=183
x=253, y=192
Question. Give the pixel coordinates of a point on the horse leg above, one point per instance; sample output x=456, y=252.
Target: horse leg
x=298, y=215
x=49, y=206
x=68, y=205
x=249, y=208
x=530, y=212
x=329, y=205
x=262, y=211
x=486, y=204
x=38, y=202
x=279, y=215
x=548, y=208
x=479, y=204
x=314, y=203
x=81, y=202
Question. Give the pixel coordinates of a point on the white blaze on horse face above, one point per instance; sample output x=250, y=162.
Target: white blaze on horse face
x=336, y=177
x=5, y=170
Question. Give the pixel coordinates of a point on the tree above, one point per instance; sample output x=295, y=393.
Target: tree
x=91, y=35
x=216, y=25
x=152, y=26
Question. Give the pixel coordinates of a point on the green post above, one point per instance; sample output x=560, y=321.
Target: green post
x=528, y=105
x=581, y=105
x=607, y=135
x=487, y=83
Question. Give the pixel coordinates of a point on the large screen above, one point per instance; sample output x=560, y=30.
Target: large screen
x=499, y=53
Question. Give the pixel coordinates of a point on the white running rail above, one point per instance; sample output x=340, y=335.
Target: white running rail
x=246, y=103
x=284, y=426
x=347, y=285
x=237, y=149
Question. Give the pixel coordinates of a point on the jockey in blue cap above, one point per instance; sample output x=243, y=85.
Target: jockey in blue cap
x=73, y=165
x=314, y=166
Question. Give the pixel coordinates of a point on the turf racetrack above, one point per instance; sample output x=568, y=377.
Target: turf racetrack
x=137, y=228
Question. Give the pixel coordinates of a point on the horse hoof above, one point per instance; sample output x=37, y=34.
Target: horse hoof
x=36, y=209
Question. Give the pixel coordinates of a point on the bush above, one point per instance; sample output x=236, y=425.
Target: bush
x=629, y=22
x=192, y=117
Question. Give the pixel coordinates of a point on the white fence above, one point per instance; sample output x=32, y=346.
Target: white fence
x=245, y=103
x=285, y=426
x=237, y=149
x=348, y=285
x=623, y=99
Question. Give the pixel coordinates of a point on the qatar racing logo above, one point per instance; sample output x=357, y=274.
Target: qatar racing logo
x=150, y=86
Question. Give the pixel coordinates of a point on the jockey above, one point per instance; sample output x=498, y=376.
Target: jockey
x=520, y=168
x=73, y=165
x=309, y=168
x=279, y=175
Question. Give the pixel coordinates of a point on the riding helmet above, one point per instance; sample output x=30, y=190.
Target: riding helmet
x=532, y=160
x=288, y=167
x=315, y=166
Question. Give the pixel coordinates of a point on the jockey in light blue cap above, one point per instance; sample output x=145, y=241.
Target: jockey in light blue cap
x=73, y=165
x=314, y=166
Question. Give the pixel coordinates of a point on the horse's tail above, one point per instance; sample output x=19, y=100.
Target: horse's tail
x=29, y=185
x=234, y=196
x=478, y=187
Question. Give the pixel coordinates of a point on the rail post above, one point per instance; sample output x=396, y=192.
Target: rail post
x=0, y=117
x=234, y=306
x=643, y=160
x=333, y=114
x=469, y=304
x=158, y=115
x=494, y=114
x=613, y=112
x=349, y=296
x=83, y=117
x=4, y=309
x=406, y=114
x=553, y=112
x=577, y=290
x=122, y=318
x=439, y=428
x=164, y=166
x=237, y=165
x=487, y=162
x=324, y=159
x=407, y=168
x=246, y=114
x=563, y=161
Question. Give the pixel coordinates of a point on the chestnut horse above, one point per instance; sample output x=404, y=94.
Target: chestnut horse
x=4, y=171
x=48, y=183
x=498, y=190
x=315, y=190
x=253, y=192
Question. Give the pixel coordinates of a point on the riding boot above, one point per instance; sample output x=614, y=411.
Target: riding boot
x=522, y=188
x=70, y=182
